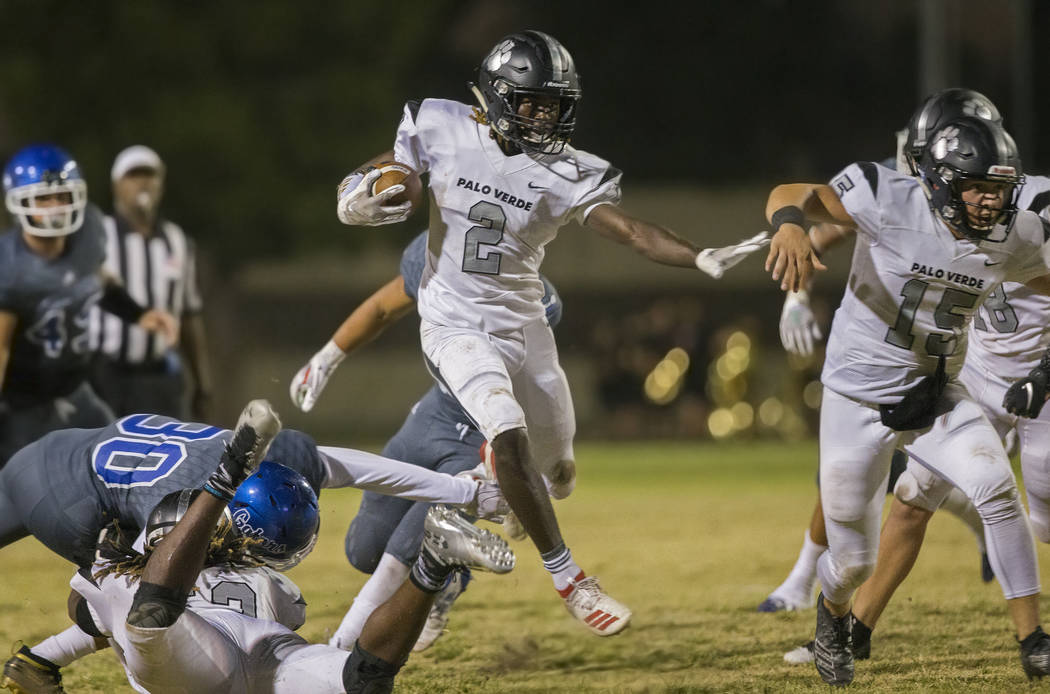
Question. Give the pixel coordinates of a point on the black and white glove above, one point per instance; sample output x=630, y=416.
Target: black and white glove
x=1026, y=397
x=715, y=261
x=357, y=206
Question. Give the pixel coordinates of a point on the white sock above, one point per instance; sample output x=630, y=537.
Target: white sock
x=804, y=575
x=388, y=577
x=961, y=507
x=62, y=649
x=563, y=570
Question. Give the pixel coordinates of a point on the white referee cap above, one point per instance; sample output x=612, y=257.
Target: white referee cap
x=135, y=157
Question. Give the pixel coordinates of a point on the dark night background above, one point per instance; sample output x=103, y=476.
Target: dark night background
x=260, y=108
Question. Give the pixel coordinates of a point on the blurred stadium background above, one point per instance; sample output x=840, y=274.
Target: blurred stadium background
x=259, y=110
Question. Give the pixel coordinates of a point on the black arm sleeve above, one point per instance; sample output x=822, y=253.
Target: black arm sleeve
x=116, y=300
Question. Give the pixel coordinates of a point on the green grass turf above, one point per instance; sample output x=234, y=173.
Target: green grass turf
x=692, y=537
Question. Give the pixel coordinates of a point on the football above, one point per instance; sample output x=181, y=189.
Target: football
x=393, y=173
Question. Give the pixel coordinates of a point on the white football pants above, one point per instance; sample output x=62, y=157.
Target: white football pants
x=926, y=490
x=507, y=381
x=961, y=446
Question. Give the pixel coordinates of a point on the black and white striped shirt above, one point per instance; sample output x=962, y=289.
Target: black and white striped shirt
x=158, y=272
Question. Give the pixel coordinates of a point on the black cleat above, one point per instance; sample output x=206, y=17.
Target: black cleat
x=1035, y=654
x=833, y=646
x=987, y=572
x=861, y=635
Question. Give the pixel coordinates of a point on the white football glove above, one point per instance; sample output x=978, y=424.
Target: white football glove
x=488, y=503
x=715, y=261
x=311, y=379
x=358, y=207
x=798, y=328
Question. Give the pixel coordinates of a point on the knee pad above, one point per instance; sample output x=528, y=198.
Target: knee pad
x=365, y=673
x=155, y=606
x=909, y=490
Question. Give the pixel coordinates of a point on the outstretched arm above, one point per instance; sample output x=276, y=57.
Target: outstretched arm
x=655, y=242
x=662, y=245
x=346, y=467
x=790, y=206
x=382, y=309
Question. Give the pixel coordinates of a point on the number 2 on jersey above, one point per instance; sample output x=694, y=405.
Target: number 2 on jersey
x=945, y=317
x=492, y=220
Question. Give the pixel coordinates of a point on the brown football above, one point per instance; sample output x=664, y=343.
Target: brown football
x=393, y=173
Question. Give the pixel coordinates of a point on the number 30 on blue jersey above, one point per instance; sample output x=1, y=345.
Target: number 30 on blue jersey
x=148, y=452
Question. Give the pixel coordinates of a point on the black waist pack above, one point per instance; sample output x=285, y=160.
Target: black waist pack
x=916, y=410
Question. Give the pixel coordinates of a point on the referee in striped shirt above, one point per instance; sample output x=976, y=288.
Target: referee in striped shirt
x=156, y=261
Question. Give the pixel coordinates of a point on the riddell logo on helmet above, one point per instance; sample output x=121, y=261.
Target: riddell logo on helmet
x=999, y=170
x=552, y=83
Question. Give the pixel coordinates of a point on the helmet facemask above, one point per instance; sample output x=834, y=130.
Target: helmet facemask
x=42, y=219
x=529, y=66
x=946, y=184
x=533, y=134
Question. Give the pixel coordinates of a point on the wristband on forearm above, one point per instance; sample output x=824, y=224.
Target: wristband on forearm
x=116, y=300
x=789, y=214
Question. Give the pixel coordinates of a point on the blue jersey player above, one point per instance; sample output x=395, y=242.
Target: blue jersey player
x=385, y=536
x=50, y=278
x=65, y=487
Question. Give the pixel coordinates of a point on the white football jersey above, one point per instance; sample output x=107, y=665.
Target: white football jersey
x=913, y=286
x=1009, y=334
x=491, y=215
x=244, y=603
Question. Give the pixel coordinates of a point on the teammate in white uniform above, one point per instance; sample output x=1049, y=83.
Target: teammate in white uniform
x=503, y=180
x=920, y=270
x=235, y=632
x=799, y=331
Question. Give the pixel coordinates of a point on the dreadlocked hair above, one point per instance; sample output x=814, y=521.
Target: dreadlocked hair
x=479, y=116
x=118, y=558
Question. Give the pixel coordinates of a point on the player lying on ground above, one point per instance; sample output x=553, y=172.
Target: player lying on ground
x=503, y=180
x=942, y=243
x=799, y=331
x=64, y=488
x=204, y=610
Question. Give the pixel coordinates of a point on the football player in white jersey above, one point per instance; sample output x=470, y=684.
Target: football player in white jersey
x=1008, y=337
x=929, y=252
x=503, y=180
x=799, y=332
x=235, y=632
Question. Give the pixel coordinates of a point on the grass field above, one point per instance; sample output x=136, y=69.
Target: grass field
x=692, y=537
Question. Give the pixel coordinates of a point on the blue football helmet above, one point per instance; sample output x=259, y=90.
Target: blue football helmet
x=45, y=170
x=277, y=505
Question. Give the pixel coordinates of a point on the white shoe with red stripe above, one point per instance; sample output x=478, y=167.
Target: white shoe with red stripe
x=586, y=601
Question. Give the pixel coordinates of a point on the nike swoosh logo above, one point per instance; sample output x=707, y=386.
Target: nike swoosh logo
x=536, y=187
x=987, y=264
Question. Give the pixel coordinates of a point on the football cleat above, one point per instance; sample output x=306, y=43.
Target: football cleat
x=455, y=541
x=602, y=615
x=27, y=673
x=437, y=620
x=833, y=646
x=1035, y=654
x=259, y=415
